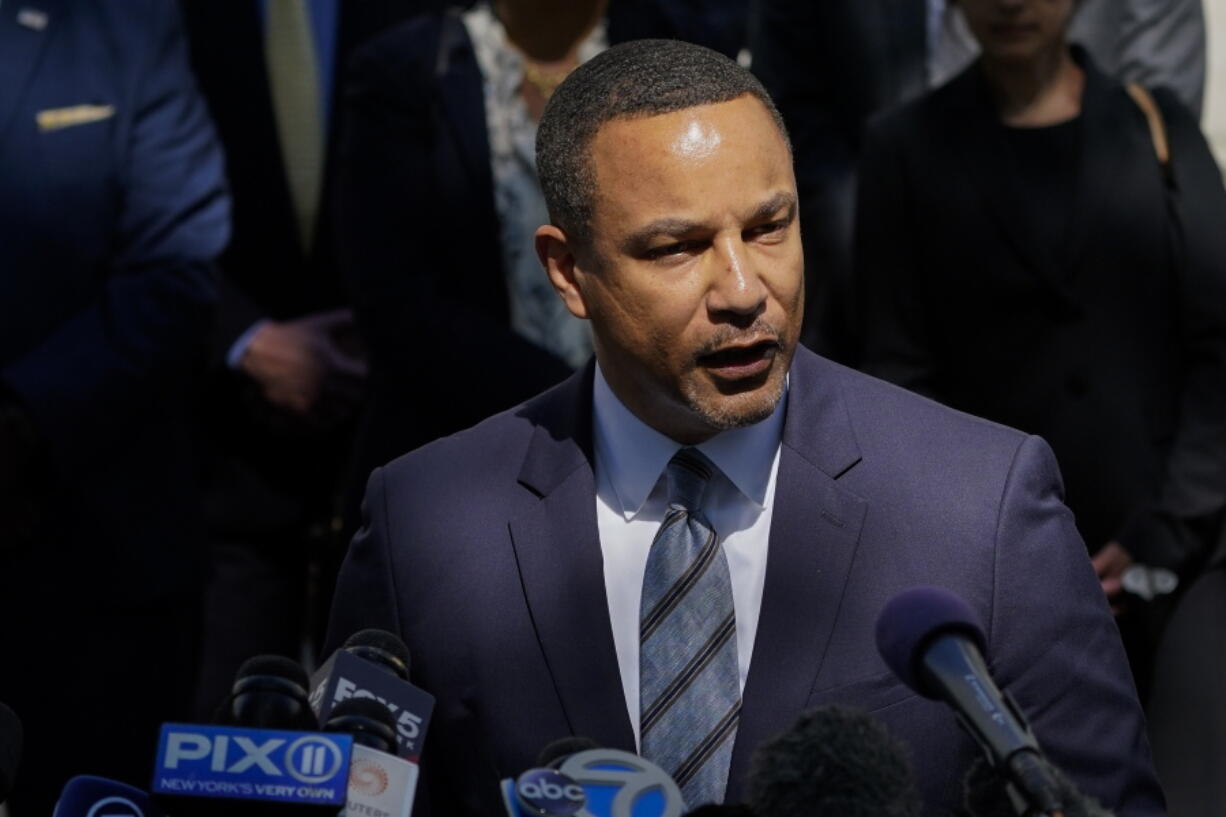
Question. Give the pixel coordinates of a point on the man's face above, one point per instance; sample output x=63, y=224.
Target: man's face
x=694, y=278
x=1017, y=30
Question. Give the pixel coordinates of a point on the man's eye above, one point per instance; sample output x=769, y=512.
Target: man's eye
x=767, y=229
x=656, y=253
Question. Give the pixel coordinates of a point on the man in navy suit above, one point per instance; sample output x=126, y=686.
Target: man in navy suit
x=522, y=560
x=112, y=209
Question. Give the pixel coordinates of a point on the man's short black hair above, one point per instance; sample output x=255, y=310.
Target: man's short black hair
x=635, y=79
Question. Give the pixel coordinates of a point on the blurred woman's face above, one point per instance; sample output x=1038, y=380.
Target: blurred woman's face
x=1018, y=30
x=547, y=29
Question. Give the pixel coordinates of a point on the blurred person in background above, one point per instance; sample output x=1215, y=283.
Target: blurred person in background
x=1040, y=245
x=287, y=373
x=832, y=65
x=721, y=25
x=438, y=202
x=112, y=211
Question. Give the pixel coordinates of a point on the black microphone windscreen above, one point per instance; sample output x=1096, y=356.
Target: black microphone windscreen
x=718, y=810
x=833, y=761
x=269, y=692
x=563, y=748
x=369, y=721
x=275, y=665
x=382, y=647
x=366, y=708
x=985, y=794
x=909, y=622
x=10, y=749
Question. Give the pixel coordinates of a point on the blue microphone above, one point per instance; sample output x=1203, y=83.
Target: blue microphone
x=933, y=642
x=87, y=796
x=267, y=759
x=209, y=770
x=543, y=792
x=614, y=784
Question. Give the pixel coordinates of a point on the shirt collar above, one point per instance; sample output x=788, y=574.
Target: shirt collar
x=633, y=455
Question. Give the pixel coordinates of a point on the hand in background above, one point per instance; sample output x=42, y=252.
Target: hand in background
x=304, y=367
x=1110, y=564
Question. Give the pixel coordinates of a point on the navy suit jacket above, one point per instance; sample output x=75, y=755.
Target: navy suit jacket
x=481, y=550
x=110, y=218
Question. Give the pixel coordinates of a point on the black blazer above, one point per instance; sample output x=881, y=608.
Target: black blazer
x=109, y=226
x=267, y=469
x=266, y=271
x=1114, y=350
x=419, y=239
x=830, y=66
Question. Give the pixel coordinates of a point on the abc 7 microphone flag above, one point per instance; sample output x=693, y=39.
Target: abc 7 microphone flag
x=595, y=783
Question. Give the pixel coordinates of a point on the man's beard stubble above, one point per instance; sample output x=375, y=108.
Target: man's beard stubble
x=756, y=404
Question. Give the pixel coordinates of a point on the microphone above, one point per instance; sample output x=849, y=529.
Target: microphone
x=543, y=792
x=370, y=722
x=985, y=794
x=267, y=757
x=88, y=796
x=375, y=664
x=591, y=782
x=619, y=783
x=716, y=810
x=206, y=770
x=932, y=641
x=555, y=753
x=270, y=692
x=834, y=760
x=10, y=749
x=381, y=648
x=380, y=783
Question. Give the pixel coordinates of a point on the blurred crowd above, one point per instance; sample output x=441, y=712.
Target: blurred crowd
x=252, y=249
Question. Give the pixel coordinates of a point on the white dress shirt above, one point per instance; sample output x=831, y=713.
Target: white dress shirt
x=630, y=504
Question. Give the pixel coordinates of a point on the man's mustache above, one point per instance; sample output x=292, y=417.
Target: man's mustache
x=758, y=332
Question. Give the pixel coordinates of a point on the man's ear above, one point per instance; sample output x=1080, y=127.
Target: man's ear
x=557, y=254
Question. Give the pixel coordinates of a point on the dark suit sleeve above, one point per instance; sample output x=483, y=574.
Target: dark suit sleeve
x=1188, y=512
x=889, y=268
x=366, y=596
x=365, y=590
x=105, y=368
x=1053, y=644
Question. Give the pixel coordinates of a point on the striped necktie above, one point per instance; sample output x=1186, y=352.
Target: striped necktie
x=293, y=79
x=689, y=685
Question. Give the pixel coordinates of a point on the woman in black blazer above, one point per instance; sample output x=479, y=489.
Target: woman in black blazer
x=1023, y=254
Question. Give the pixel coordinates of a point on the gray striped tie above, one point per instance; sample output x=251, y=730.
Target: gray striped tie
x=689, y=683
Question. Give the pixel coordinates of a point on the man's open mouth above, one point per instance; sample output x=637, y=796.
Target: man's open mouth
x=740, y=361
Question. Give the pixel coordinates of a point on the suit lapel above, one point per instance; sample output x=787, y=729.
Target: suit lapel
x=1105, y=151
x=460, y=94
x=22, y=45
x=815, y=529
x=557, y=547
